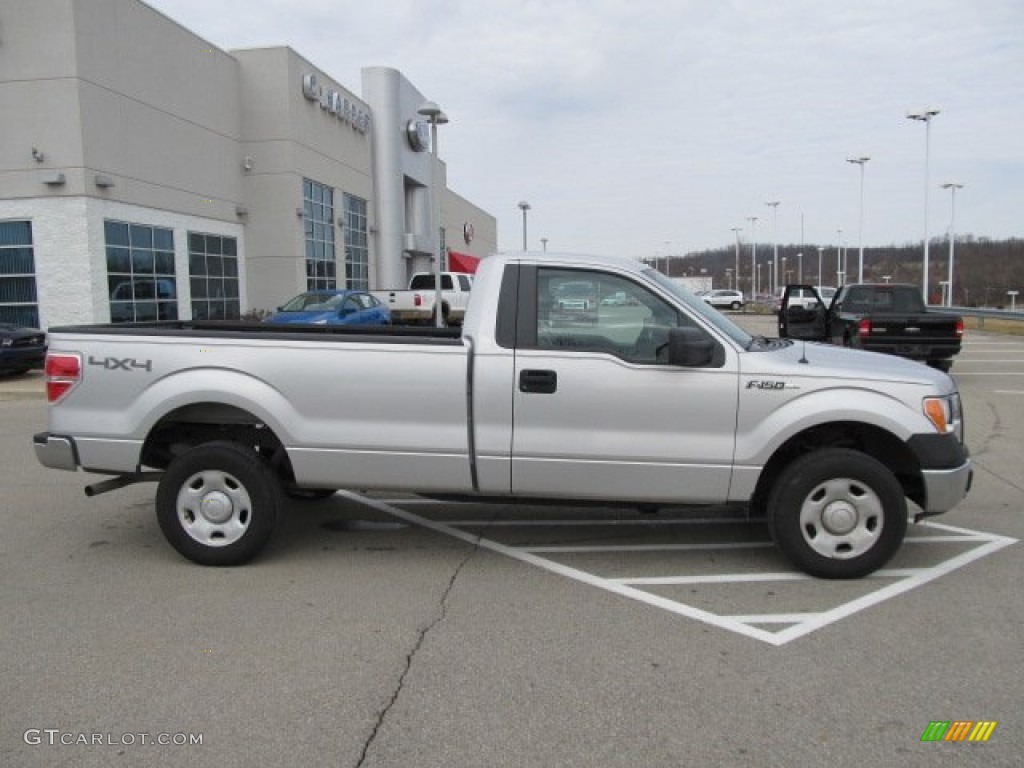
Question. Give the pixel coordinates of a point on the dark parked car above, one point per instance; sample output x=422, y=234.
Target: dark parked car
x=21, y=348
x=333, y=307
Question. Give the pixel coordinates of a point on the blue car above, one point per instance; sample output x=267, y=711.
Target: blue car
x=333, y=307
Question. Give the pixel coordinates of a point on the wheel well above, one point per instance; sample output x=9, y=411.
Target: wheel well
x=866, y=438
x=192, y=425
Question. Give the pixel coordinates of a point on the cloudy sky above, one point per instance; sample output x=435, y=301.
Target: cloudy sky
x=640, y=126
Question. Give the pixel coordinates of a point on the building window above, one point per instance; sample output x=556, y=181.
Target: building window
x=18, y=303
x=357, y=243
x=213, y=277
x=318, y=217
x=140, y=272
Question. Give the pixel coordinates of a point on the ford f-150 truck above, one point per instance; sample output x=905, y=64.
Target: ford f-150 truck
x=416, y=305
x=880, y=317
x=656, y=399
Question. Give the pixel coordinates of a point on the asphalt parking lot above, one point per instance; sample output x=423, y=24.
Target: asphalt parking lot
x=394, y=631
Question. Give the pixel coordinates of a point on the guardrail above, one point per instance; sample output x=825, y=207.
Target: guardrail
x=1014, y=317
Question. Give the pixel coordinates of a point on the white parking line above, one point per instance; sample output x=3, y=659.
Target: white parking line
x=796, y=624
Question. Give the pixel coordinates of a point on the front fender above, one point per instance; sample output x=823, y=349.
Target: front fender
x=758, y=438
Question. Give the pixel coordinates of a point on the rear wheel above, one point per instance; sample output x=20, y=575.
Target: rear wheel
x=837, y=513
x=734, y=305
x=217, y=503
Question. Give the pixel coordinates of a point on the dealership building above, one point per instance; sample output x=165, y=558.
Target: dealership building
x=147, y=174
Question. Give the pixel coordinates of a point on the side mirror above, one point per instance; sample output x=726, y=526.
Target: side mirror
x=689, y=348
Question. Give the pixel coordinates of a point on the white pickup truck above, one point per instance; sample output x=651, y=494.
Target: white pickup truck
x=654, y=399
x=416, y=305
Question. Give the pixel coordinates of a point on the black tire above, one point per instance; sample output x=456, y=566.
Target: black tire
x=309, y=494
x=735, y=305
x=837, y=513
x=217, y=504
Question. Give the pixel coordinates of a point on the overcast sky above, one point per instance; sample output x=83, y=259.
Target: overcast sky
x=629, y=124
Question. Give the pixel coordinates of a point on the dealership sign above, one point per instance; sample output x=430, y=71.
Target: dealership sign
x=336, y=104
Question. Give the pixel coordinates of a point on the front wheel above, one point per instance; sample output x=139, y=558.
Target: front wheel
x=837, y=513
x=217, y=503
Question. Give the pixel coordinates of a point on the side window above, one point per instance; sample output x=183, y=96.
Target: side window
x=598, y=312
x=464, y=283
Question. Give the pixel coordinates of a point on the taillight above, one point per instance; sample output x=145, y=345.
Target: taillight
x=417, y=300
x=63, y=372
x=959, y=326
x=864, y=327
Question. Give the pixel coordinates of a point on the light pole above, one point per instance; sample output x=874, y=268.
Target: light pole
x=774, y=205
x=544, y=244
x=840, y=272
x=736, y=231
x=435, y=117
x=952, y=186
x=925, y=116
x=800, y=267
x=524, y=206
x=861, y=161
x=820, y=252
x=753, y=256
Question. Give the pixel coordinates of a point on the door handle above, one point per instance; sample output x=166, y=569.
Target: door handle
x=539, y=382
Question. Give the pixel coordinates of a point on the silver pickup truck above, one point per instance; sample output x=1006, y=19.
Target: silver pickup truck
x=656, y=399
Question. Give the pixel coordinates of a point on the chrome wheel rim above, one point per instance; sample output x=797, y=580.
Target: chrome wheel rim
x=214, y=508
x=841, y=518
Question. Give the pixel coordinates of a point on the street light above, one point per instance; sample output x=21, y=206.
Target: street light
x=861, y=161
x=925, y=116
x=952, y=186
x=544, y=244
x=524, y=206
x=820, y=251
x=435, y=117
x=753, y=256
x=774, y=204
x=736, y=231
x=840, y=272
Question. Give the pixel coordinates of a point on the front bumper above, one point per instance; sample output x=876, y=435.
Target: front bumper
x=945, y=488
x=56, y=451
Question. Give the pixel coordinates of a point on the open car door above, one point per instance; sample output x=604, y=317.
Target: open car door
x=800, y=320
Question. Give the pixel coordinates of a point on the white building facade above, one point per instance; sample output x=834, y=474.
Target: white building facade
x=150, y=175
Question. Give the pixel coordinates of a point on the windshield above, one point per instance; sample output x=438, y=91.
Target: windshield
x=312, y=302
x=700, y=307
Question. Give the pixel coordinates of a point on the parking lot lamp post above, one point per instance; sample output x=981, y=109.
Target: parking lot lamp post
x=820, y=252
x=736, y=231
x=524, y=207
x=774, y=204
x=861, y=161
x=800, y=267
x=952, y=186
x=840, y=272
x=925, y=116
x=753, y=256
x=435, y=117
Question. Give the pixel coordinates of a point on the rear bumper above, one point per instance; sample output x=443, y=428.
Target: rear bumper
x=56, y=451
